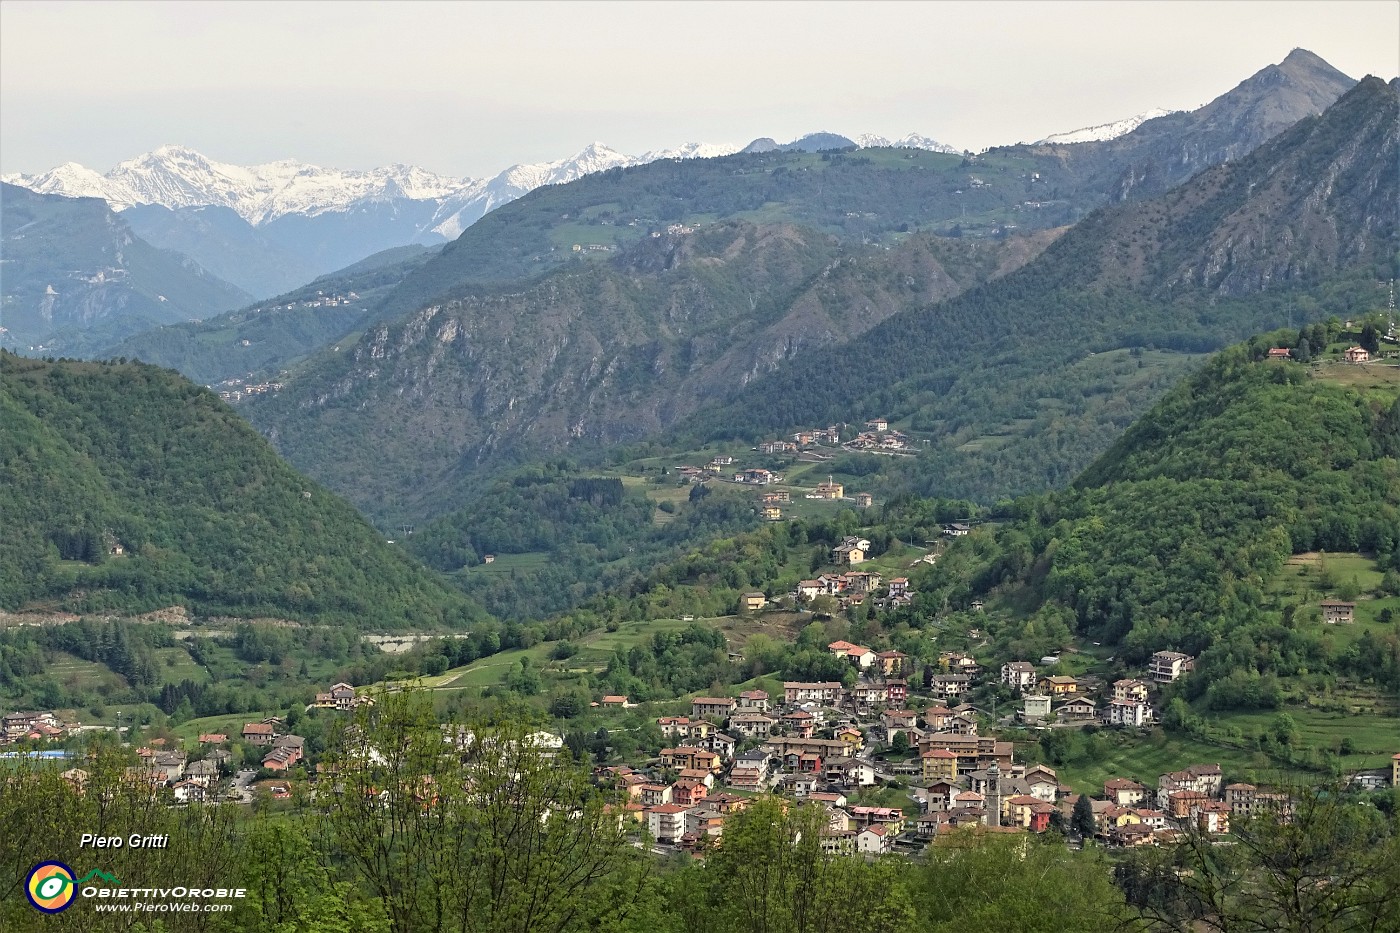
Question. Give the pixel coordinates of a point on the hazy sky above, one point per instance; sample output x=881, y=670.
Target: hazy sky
x=470, y=88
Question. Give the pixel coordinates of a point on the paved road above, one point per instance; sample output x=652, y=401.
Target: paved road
x=241, y=786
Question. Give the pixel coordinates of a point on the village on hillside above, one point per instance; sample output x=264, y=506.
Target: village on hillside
x=214, y=766
x=892, y=762
x=805, y=447
x=835, y=745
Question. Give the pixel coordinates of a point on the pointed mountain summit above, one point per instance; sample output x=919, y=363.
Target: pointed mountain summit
x=1162, y=153
x=1310, y=213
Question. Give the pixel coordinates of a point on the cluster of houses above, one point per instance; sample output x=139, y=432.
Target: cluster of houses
x=815, y=744
x=968, y=779
x=43, y=726
x=877, y=436
x=829, y=436
x=1067, y=699
x=283, y=751
x=1352, y=354
x=238, y=389
x=343, y=697
x=190, y=780
x=1195, y=799
x=853, y=587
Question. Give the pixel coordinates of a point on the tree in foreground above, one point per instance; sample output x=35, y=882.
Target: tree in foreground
x=979, y=881
x=470, y=829
x=1333, y=868
x=769, y=874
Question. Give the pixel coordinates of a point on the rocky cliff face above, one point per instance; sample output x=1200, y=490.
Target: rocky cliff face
x=603, y=355
x=1166, y=151
x=1317, y=198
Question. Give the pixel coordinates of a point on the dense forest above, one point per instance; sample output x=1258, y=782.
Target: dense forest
x=126, y=488
x=1171, y=539
x=585, y=536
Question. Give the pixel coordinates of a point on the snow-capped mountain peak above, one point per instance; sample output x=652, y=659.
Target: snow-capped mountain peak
x=690, y=151
x=69, y=179
x=1105, y=131
x=911, y=141
x=177, y=176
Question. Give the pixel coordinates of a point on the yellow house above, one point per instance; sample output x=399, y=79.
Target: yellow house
x=939, y=764
x=1062, y=686
x=1123, y=816
x=754, y=601
x=772, y=513
x=1018, y=810
x=830, y=490
x=851, y=738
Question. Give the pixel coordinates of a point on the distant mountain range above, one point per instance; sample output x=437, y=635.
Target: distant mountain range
x=270, y=228
x=626, y=337
x=1106, y=131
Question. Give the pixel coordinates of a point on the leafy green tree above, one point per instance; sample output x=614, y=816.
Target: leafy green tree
x=496, y=834
x=770, y=875
x=1335, y=866
x=967, y=884
x=1370, y=338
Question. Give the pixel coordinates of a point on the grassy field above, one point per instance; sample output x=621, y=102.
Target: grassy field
x=1375, y=736
x=1307, y=579
x=230, y=725
x=1373, y=380
x=594, y=650
x=1146, y=758
x=176, y=665
x=75, y=673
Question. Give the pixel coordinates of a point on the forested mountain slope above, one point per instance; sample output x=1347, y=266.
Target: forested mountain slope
x=76, y=277
x=267, y=337
x=124, y=487
x=1174, y=537
x=870, y=193
x=1303, y=227
x=607, y=353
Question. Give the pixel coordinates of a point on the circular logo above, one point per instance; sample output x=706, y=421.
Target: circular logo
x=50, y=887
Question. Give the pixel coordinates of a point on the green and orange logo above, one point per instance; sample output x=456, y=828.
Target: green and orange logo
x=50, y=887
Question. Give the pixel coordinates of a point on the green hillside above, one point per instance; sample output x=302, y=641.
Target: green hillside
x=1303, y=228
x=1179, y=536
x=100, y=456
x=609, y=352
x=272, y=335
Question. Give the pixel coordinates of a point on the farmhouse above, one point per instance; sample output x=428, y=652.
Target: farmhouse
x=1335, y=612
